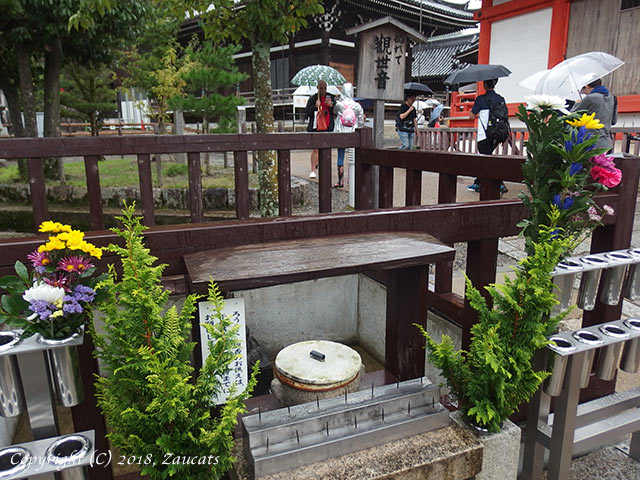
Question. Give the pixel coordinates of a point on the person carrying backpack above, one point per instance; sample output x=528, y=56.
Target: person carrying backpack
x=350, y=117
x=493, y=125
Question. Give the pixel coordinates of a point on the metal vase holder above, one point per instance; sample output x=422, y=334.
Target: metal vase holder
x=25, y=368
x=288, y=438
x=576, y=429
x=606, y=273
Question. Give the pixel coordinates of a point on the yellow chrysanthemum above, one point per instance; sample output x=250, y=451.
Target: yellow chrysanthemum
x=71, y=237
x=587, y=121
x=54, y=243
x=53, y=227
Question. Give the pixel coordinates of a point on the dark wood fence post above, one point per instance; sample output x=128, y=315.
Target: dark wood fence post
x=447, y=185
x=93, y=191
x=324, y=180
x=242, y=183
x=284, y=182
x=195, y=187
x=38, y=191
x=146, y=189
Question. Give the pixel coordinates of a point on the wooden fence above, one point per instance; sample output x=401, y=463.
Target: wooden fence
x=446, y=139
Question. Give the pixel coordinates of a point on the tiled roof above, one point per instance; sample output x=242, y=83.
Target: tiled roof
x=439, y=7
x=436, y=58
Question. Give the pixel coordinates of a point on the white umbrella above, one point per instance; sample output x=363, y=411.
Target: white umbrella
x=568, y=77
x=307, y=91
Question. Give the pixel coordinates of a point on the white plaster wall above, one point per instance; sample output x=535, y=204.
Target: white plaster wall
x=323, y=309
x=372, y=314
x=522, y=45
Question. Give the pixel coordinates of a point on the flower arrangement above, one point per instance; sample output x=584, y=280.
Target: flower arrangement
x=52, y=299
x=563, y=169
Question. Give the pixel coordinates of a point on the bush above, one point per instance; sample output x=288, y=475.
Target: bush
x=176, y=170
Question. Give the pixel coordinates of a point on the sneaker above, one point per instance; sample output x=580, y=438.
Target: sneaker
x=474, y=187
x=312, y=175
x=503, y=189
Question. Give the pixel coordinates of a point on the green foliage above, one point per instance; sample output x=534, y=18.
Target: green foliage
x=209, y=70
x=152, y=404
x=176, y=169
x=495, y=376
x=87, y=95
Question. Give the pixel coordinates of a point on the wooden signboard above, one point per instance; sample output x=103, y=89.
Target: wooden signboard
x=384, y=45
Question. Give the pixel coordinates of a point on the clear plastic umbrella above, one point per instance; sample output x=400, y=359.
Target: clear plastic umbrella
x=568, y=77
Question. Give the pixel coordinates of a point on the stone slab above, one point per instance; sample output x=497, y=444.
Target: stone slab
x=449, y=453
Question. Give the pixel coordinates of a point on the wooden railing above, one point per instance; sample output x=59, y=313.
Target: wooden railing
x=626, y=139
x=143, y=147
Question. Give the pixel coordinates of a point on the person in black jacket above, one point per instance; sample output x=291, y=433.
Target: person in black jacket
x=322, y=103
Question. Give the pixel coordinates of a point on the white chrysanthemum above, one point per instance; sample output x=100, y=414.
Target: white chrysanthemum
x=42, y=291
x=543, y=101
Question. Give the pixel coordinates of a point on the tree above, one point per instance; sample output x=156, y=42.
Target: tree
x=207, y=72
x=88, y=95
x=38, y=31
x=263, y=23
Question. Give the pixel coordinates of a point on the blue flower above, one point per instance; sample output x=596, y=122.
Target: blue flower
x=562, y=204
x=577, y=137
x=575, y=168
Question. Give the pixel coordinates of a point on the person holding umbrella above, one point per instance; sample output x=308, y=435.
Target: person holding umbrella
x=599, y=101
x=480, y=109
x=321, y=111
x=407, y=121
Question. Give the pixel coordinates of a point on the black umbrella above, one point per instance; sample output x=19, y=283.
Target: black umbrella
x=418, y=88
x=477, y=73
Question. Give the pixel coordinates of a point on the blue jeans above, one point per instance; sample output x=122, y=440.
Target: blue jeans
x=341, y=157
x=406, y=139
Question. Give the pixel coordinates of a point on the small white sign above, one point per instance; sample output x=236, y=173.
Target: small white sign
x=300, y=101
x=237, y=374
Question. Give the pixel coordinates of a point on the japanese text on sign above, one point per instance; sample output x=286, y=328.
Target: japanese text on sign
x=385, y=54
x=237, y=374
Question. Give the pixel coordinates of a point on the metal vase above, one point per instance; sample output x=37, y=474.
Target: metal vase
x=610, y=354
x=65, y=369
x=12, y=401
x=563, y=277
x=557, y=365
x=66, y=452
x=613, y=277
x=588, y=338
x=587, y=294
x=630, y=361
x=13, y=461
x=632, y=291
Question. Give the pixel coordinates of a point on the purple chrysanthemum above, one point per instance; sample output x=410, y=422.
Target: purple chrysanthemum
x=74, y=264
x=39, y=260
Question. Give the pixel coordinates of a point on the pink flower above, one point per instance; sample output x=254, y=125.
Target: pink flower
x=74, y=264
x=593, y=214
x=607, y=177
x=608, y=210
x=39, y=259
x=603, y=161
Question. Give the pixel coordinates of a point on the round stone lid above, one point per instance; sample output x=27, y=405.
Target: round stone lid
x=295, y=366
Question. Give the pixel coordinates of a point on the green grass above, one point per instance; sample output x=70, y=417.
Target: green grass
x=123, y=172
